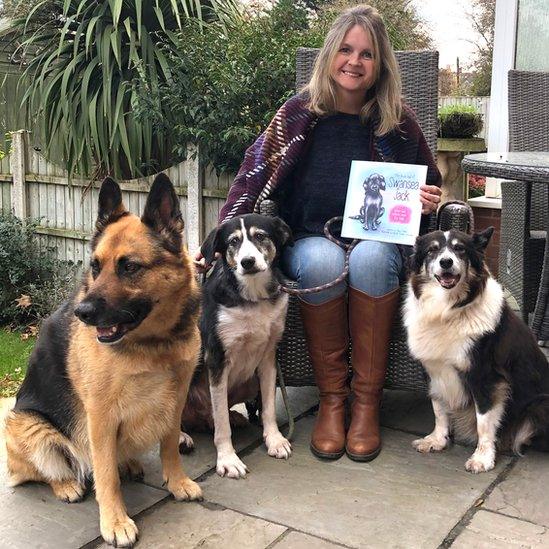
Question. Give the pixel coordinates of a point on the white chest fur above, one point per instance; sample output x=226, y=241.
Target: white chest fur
x=248, y=333
x=441, y=336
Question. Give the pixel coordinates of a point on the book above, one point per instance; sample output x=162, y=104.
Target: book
x=382, y=202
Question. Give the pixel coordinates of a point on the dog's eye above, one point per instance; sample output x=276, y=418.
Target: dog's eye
x=459, y=248
x=95, y=268
x=432, y=250
x=234, y=241
x=260, y=237
x=130, y=267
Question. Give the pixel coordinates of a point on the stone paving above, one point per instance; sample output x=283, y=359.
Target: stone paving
x=402, y=499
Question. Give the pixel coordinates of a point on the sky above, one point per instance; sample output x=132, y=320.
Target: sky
x=450, y=28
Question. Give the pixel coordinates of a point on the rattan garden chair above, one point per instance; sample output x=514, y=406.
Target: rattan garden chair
x=525, y=207
x=420, y=80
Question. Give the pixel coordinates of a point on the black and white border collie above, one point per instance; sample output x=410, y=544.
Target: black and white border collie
x=243, y=317
x=489, y=380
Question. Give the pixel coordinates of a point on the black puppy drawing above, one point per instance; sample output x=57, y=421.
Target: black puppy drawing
x=372, y=211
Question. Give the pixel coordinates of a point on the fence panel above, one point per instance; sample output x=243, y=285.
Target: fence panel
x=66, y=211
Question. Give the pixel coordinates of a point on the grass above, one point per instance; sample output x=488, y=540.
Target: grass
x=14, y=355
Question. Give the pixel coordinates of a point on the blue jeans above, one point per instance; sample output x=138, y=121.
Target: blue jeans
x=374, y=267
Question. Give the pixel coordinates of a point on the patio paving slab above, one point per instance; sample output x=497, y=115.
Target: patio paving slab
x=183, y=525
x=401, y=499
x=493, y=531
x=523, y=494
x=33, y=517
x=297, y=540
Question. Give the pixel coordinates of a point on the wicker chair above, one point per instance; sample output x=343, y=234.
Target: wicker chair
x=525, y=207
x=420, y=76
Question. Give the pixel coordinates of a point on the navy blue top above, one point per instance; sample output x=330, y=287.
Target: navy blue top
x=318, y=188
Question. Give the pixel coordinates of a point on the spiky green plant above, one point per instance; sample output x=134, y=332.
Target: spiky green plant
x=87, y=56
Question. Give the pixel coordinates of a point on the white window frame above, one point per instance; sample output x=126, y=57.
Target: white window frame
x=505, y=37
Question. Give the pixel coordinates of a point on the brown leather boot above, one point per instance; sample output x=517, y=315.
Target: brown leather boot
x=370, y=322
x=326, y=329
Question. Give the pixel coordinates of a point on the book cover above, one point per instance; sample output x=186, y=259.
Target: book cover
x=383, y=202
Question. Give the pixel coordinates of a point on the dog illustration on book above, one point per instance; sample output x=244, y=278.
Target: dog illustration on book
x=372, y=211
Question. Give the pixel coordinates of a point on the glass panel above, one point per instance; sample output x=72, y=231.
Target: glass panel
x=533, y=35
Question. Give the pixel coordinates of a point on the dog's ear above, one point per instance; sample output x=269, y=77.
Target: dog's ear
x=211, y=245
x=415, y=261
x=110, y=207
x=282, y=232
x=381, y=182
x=480, y=240
x=162, y=213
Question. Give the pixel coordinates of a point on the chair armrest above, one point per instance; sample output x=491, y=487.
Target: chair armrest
x=269, y=207
x=456, y=215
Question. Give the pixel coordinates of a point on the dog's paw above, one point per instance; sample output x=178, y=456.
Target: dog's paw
x=185, y=490
x=120, y=532
x=132, y=470
x=480, y=462
x=231, y=466
x=70, y=491
x=186, y=443
x=430, y=444
x=278, y=446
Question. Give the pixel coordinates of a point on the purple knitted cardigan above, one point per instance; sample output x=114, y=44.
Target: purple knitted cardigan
x=279, y=148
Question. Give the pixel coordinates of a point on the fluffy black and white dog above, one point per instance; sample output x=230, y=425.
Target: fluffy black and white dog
x=243, y=317
x=488, y=378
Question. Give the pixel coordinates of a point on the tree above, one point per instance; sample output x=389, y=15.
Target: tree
x=482, y=19
x=88, y=56
x=405, y=27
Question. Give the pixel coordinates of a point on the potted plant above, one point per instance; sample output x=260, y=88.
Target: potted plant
x=459, y=121
x=457, y=126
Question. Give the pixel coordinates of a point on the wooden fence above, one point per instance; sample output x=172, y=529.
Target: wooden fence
x=33, y=188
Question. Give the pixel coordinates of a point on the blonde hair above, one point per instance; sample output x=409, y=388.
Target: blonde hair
x=385, y=102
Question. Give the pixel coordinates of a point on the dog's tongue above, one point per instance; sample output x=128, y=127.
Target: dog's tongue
x=448, y=280
x=108, y=331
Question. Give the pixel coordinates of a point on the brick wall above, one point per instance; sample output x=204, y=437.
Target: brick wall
x=484, y=218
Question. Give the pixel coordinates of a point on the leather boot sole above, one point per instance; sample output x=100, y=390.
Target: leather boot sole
x=326, y=455
x=363, y=457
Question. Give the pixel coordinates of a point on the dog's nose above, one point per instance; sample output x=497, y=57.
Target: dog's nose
x=446, y=262
x=86, y=311
x=247, y=262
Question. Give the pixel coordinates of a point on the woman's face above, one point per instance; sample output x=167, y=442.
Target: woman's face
x=353, y=66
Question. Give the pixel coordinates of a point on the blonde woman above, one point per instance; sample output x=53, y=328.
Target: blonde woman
x=351, y=110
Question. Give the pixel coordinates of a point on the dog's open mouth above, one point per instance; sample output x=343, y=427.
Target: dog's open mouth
x=448, y=280
x=112, y=334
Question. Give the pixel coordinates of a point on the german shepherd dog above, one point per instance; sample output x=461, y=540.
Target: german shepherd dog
x=109, y=375
x=489, y=380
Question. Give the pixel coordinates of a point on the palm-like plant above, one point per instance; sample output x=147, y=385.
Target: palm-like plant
x=87, y=56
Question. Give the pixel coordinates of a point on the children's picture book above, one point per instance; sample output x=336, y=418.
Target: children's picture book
x=383, y=202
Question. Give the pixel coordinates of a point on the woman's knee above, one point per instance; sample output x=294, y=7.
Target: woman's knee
x=375, y=267
x=313, y=262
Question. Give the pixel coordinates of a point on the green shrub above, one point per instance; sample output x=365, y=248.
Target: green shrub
x=461, y=121
x=32, y=283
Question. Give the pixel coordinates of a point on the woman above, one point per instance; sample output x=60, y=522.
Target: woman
x=351, y=110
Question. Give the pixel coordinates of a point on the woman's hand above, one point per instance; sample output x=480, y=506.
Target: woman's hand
x=430, y=198
x=200, y=262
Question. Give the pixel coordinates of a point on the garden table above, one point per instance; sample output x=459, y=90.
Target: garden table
x=523, y=168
